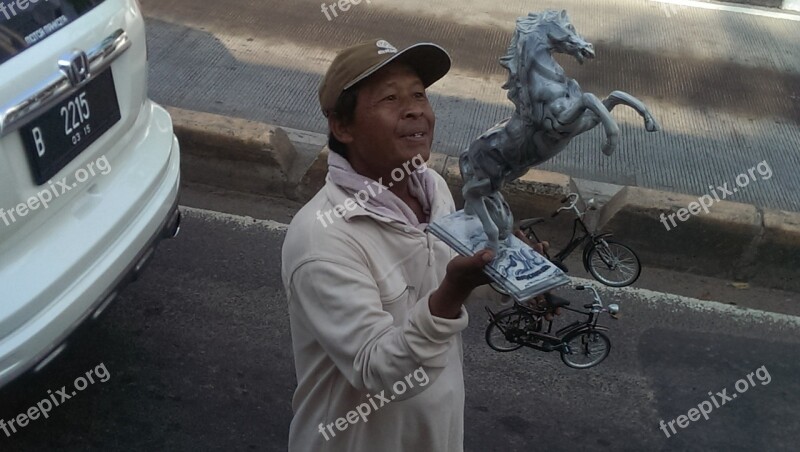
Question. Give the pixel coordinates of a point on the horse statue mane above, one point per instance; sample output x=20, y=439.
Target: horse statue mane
x=550, y=110
x=524, y=26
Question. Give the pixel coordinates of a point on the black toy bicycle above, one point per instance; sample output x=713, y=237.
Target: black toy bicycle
x=582, y=344
x=607, y=260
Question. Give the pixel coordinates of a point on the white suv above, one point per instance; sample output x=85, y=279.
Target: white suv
x=89, y=169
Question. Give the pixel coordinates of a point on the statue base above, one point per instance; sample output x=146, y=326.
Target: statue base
x=517, y=268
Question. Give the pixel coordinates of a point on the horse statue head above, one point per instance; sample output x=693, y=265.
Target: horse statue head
x=536, y=37
x=563, y=37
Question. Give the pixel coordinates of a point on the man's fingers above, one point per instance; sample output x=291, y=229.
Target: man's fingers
x=479, y=260
x=541, y=247
x=521, y=235
x=484, y=256
x=546, y=246
x=468, y=270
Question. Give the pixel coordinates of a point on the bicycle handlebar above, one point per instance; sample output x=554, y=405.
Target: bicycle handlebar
x=595, y=294
x=573, y=198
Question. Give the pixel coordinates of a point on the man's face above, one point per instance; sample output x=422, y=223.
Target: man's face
x=393, y=121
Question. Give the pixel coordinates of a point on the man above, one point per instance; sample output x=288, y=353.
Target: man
x=375, y=302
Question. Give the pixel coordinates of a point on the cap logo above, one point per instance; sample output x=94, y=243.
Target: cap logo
x=385, y=47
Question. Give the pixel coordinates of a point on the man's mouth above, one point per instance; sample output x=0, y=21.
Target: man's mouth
x=418, y=135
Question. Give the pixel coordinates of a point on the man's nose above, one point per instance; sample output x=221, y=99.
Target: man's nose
x=412, y=108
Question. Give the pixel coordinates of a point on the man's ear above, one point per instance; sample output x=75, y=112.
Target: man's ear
x=340, y=130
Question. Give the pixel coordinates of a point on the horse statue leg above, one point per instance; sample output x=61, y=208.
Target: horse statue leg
x=475, y=192
x=592, y=103
x=584, y=114
x=475, y=195
x=500, y=213
x=621, y=97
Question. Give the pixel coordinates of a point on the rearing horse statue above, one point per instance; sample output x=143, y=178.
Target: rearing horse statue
x=550, y=111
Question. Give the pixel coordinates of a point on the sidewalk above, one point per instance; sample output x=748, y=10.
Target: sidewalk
x=725, y=86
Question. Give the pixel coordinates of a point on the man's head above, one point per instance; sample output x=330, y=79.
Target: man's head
x=374, y=97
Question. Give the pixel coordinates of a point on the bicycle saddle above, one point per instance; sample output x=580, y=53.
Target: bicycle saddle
x=555, y=301
x=525, y=224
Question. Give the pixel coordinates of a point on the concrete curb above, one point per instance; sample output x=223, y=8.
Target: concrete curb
x=234, y=153
x=787, y=5
x=733, y=240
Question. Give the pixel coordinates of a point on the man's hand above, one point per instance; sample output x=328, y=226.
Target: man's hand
x=540, y=248
x=464, y=273
x=467, y=271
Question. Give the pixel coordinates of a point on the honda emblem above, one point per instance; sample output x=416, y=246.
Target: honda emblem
x=75, y=67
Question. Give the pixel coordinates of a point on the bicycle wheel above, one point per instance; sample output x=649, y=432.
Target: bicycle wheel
x=613, y=263
x=507, y=330
x=585, y=349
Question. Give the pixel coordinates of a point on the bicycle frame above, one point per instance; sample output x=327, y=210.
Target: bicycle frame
x=575, y=241
x=553, y=342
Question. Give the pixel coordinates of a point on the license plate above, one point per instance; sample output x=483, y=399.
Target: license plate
x=56, y=137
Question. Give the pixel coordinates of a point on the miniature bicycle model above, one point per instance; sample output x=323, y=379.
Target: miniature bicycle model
x=607, y=260
x=582, y=343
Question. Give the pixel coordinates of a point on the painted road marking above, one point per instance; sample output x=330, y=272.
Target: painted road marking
x=234, y=219
x=733, y=9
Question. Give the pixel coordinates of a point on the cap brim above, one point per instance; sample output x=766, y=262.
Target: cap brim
x=430, y=61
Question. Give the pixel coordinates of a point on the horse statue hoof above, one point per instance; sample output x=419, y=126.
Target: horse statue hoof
x=651, y=125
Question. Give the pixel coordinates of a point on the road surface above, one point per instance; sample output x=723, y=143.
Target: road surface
x=197, y=356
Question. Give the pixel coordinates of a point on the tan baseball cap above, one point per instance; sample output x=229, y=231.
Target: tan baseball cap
x=353, y=64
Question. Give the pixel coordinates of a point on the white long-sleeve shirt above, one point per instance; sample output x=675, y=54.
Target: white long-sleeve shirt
x=358, y=292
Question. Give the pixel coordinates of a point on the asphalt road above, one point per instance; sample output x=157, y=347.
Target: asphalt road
x=724, y=85
x=197, y=356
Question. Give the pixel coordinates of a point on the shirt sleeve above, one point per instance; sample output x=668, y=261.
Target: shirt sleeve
x=341, y=305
